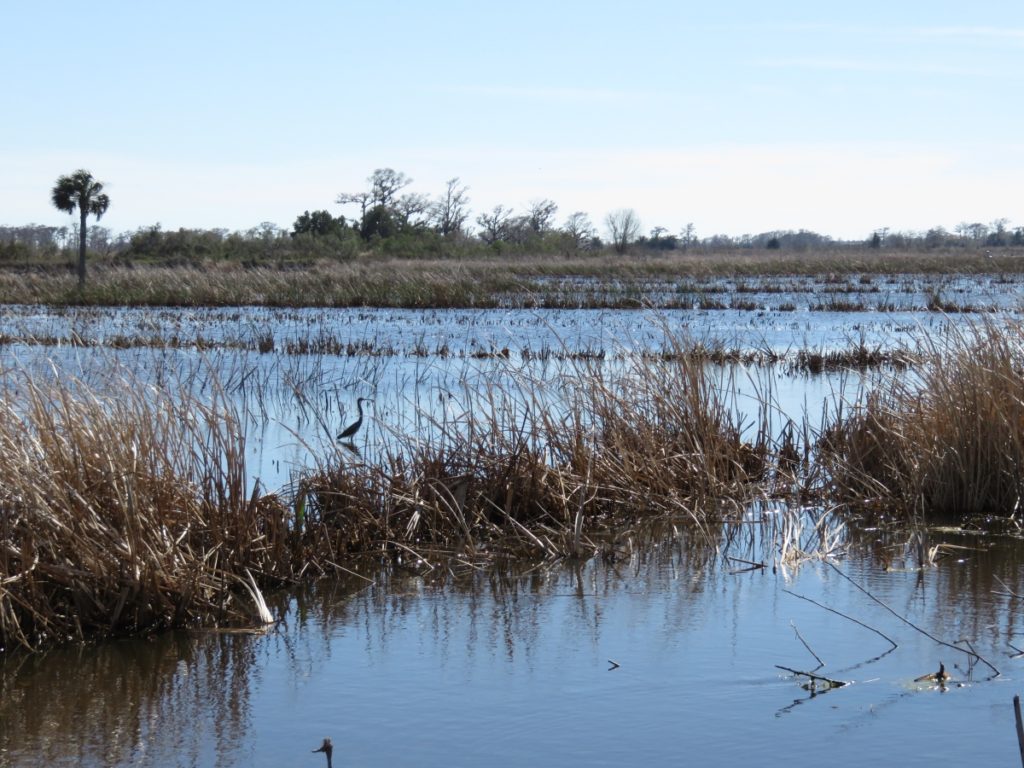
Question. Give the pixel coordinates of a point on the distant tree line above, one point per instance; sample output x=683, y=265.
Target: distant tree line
x=386, y=217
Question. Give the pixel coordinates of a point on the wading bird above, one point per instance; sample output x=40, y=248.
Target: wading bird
x=327, y=748
x=349, y=432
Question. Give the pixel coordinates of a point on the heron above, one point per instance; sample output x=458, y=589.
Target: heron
x=327, y=748
x=349, y=432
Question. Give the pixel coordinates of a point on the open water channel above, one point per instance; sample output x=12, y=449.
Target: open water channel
x=517, y=669
x=664, y=651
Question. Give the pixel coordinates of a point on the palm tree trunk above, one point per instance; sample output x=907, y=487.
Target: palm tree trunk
x=81, y=248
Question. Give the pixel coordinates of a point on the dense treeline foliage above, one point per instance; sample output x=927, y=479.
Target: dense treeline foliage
x=387, y=219
x=378, y=234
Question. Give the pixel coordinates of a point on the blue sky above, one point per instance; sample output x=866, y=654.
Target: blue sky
x=740, y=117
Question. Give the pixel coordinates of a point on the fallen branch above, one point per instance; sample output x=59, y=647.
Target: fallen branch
x=827, y=680
x=1017, y=652
x=809, y=649
x=1008, y=592
x=848, y=618
x=911, y=624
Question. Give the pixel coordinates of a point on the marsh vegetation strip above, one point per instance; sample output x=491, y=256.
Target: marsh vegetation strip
x=146, y=480
x=951, y=281
x=511, y=667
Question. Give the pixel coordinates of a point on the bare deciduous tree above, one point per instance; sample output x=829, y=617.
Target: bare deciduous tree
x=494, y=225
x=579, y=229
x=978, y=230
x=451, y=210
x=410, y=209
x=362, y=199
x=623, y=228
x=385, y=184
x=540, y=216
x=688, y=237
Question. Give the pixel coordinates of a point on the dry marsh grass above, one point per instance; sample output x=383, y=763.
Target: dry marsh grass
x=129, y=511
x=534, y=477
x=123, y=513
x=947, y=442
x=479, y=281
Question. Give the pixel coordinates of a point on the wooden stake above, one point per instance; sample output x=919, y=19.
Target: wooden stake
x=1020, y=727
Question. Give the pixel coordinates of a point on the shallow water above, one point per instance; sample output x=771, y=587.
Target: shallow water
x=534, y=333
x=419, y=367
x=515, y=670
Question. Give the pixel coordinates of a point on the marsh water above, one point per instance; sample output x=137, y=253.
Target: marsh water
x=664, y=650
x=518, y=668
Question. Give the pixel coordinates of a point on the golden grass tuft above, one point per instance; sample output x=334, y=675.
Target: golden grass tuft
x=123, y=513
x=948, y=442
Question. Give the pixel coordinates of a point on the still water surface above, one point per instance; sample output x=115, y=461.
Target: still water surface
x=512, y=669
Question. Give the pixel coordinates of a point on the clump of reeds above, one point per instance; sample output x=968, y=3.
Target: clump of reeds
x=859, y=357
x=124, y=512
x=529, y=473
x=949, y=442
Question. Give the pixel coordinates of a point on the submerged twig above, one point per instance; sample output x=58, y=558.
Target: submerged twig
x=911, y=624
x=752, y=565
x=884, y=636
x=809, y=649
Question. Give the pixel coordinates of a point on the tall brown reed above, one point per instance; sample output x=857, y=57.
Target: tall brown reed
x=949, y=443
x=122, y=513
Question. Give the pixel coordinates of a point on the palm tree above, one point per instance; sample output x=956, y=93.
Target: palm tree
x=80, y=190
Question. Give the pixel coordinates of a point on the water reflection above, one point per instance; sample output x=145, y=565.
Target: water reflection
x=168, y=699
x=511, y=666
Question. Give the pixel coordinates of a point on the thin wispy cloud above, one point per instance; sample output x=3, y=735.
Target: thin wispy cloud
x=548, y=93
x=973, y=33
x=874, y=67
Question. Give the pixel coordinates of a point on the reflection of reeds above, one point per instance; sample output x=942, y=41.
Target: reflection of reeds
x=948, y=442
x=128, y=703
